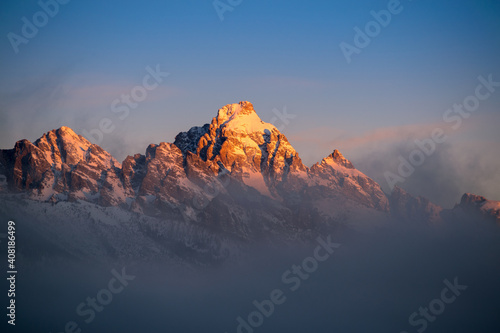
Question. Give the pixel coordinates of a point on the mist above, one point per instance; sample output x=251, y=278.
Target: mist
x=372, y=282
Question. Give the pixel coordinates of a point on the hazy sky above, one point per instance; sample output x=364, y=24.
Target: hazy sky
x=276, y=54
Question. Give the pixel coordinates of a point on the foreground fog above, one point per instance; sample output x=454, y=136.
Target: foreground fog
x=371, y=282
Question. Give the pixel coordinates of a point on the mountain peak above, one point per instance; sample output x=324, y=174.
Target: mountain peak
x=469, y=198
x=65, y=129
x=479, y=204
x=241, y=118
x=235, y=109
x=63, y=134
x=339, y=159
x=239, y=141
x=64, y=146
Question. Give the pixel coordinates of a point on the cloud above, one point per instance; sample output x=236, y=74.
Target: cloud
x=466, y=162
x=457, y=166
x=347, y=140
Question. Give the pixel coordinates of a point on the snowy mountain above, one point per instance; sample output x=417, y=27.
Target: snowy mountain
x=62, y=165
x=237, y=178
x=476, y=205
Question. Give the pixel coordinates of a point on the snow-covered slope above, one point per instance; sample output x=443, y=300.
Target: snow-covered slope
x=86, y=231
x=337, y=177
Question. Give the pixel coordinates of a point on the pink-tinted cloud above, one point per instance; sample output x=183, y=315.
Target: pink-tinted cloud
x=325, y=137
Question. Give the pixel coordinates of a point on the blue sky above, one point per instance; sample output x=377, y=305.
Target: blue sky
x=275, y=54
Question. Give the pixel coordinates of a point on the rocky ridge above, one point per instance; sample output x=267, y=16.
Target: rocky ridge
x=236, y=175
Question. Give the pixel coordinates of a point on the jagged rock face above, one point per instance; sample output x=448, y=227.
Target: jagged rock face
x=337, y=177
x=239, y=141
x=158, y=181
x=259, y=156
x=63, y=146
x=188, y=141
x=63, y=165
x=25, y=166
x=477, y=205
x=406, y=207
x=469, y=200
x=338, y=158
x=217, y=175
